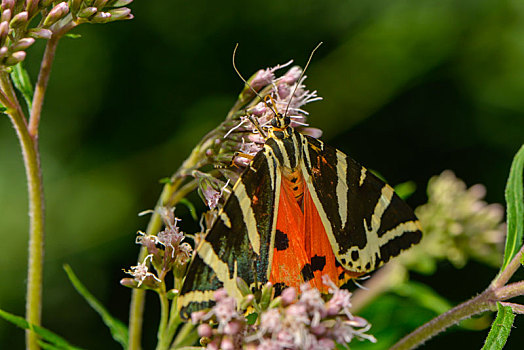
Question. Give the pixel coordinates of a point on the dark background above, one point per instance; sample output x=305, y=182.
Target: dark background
x=410, y=88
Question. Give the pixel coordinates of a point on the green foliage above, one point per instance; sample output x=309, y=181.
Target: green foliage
x=190, y=207
x=500, y=329
x=405, y=189
x=23, y=83
x=423, y=296
x=117, y=328
x=515, y=208
x=50, y=340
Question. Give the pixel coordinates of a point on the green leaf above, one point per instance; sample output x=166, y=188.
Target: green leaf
x=73, y=36
x=499, y=333
x=23, y=83
x=53, y=340
x=424, y=296
x=406, y=189
x=118, y=330
x=515, y=208
x=252, y=318
x=191, y=208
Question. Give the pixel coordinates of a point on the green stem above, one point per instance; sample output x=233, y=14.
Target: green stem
x=31, y=157
x=477, y=305
x=508, y=272
x=163, y=341
x=41, y=84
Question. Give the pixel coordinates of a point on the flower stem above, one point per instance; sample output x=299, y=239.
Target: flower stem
x=163, y=341
x=31, y=157
x=41, y=85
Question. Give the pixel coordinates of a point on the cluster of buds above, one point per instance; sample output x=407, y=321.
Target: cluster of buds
x=16, y=16
x=100, y=11
x=166, y=252
x=289, y=321
x=239, y=135
x=458, y=225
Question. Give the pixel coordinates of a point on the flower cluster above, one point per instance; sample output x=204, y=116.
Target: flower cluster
x=291, y=322
x=240, y=139
x=52, y=16
x=166, y=252
x=458, y=225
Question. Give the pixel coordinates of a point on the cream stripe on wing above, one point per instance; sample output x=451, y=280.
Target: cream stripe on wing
x=207, y=253
x=372, y=248
x=342, y=188
x=244, y=202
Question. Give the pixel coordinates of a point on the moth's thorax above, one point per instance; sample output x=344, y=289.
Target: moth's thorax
x=285, y=145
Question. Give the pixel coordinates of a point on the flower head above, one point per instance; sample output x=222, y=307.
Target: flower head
x=458, y=225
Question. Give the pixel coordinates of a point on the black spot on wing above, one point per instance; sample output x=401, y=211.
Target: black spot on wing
x=279, y=287
x=354, y=255
x=307, y=273
x=318, y=263
x=368, y=266
x=397, y=212
x=281, y=240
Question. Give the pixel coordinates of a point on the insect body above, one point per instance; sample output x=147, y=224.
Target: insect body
x=301, y=210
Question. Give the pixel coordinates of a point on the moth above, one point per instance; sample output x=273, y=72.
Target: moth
x=301, y=210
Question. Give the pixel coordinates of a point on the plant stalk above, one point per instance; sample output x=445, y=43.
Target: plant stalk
x=31, y=158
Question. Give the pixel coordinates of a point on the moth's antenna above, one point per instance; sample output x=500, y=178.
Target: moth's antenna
x=301, y=76
x=240, y=75
x=255, y=123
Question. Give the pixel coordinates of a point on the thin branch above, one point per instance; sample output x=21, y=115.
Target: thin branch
x=475, y=306
x=508, y=272
x=41, y=85
x=510, y=291
x=517, y=308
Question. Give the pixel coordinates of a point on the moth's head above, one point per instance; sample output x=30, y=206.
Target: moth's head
x=280, y=121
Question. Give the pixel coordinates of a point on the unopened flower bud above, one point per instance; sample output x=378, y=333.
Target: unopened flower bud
x=120, y=13
x=129, y=282
x=100, y=4
x=4, y=30
x=15, y=58
x=246, y=301
x=87, y=12
x=31, y=6
x=119, y=3
x=172, y=293
x=19, y=20
x=57, y=13
x=267, y=292
x=243, y=287
x=6, y=15
x=205, y=330
x=3, y=51
x=23, y=44
x=8, y=4
x=101, y=17
x=40, y=33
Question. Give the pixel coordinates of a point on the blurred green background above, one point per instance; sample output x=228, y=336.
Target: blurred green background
x=410, y=88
